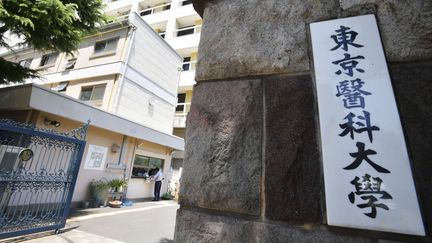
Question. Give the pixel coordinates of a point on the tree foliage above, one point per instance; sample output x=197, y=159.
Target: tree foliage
x=56, y=25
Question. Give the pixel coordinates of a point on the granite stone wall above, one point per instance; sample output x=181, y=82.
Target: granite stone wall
x=253, y=169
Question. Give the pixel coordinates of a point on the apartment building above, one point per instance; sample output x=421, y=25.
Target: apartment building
x=180, y=26
x=125, y=81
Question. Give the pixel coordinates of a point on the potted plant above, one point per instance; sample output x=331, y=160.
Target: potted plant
x=167, y=196
x=98, y=192
x=118, y=184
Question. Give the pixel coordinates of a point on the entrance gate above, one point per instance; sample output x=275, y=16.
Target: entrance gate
x=38, y=171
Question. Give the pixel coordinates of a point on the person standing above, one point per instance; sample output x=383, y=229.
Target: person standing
x=158, y=184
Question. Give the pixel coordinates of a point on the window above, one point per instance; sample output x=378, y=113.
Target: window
x=61, y=87
x=181, y=98
x=70, y=64
x=186, y=64
x=144, y=166
x=26, y=62
x=186, y=2
x=93, y=94
x=147, y=11
x=106, y=46
x=48, y=59
x=186, y=31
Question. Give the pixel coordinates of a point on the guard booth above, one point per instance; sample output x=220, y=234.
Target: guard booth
x=38, y=171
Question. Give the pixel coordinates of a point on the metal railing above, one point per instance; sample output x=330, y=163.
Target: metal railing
x=189, y=66
x=155, y=9
x=187, y=30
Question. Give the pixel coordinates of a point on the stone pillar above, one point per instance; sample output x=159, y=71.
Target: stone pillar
x=253, y=168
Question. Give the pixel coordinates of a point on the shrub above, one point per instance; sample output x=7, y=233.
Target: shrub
x=99, y=190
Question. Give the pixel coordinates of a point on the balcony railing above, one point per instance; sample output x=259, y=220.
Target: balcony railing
x=180, y=115
x=182, y=109
x=156, y=9
x=189, y=66
x=122, y=17
x=188, y=30
x=118, y=18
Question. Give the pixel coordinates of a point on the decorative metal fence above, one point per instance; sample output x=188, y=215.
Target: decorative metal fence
x=38, y=171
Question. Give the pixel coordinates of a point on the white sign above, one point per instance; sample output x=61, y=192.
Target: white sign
x=96, y=156
x=367, y=173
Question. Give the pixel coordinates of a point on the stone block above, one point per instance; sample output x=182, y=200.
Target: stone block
x=193, y=226
x=412, y=83
x=222, y=166
x=252, y=37
x=405, y=26
x=293, y=181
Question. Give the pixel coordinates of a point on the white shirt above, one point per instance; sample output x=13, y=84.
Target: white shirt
x=158, y=176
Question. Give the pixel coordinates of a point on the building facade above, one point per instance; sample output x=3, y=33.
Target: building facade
x=179, y=25
x=124, y=80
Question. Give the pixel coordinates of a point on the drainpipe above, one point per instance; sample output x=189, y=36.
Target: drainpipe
x=176, y=94
x=121, y=81
x=121, y=149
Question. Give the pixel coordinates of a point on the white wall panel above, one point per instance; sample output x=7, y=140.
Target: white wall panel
x=134, y=103
x=153, y=57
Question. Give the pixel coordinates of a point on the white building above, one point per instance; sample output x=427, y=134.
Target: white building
x=125, y=80
x=177, y=22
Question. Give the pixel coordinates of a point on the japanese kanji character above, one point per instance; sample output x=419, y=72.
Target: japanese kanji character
x=343, y=38
x=348, y=64
x=366, y=188
x=352, y=92
x=362, y=155
x=349, y=126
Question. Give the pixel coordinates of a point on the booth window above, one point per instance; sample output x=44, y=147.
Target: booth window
x=144, y=166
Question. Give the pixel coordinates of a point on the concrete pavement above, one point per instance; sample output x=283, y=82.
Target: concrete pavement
x=151, y=222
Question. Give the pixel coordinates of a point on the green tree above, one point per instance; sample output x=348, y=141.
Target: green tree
x=56, y=25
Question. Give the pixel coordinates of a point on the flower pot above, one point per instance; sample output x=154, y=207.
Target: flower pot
x=84, y=204
x=94, y=204
x=115, y=204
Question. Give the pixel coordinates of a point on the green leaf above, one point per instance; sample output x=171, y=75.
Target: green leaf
x=57, y=25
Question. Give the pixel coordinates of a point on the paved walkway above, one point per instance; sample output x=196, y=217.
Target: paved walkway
x=151, y=222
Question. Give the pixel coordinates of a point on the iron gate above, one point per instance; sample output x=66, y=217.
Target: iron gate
x=38, y=171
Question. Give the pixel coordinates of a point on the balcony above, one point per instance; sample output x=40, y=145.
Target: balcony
x=187, y=76
x=156, y=9
x=181, y=113
x=187, y=80
x=115, y=5
x=187, y=31
x=189, y=66
x=187, y=37
x=122, y=17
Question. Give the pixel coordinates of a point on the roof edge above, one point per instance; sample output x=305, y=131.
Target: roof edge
x=130, y=128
